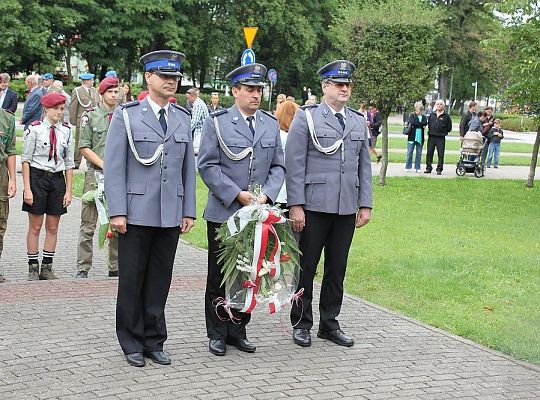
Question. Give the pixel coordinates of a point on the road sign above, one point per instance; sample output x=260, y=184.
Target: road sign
x=249, y=34
x=272, y=75
x=248, y=57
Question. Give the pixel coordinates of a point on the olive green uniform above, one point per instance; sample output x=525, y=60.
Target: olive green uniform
x=7, y=149
x=94, y=126
x=82, y=100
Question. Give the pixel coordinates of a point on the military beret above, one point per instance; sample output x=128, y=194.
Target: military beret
x=163, y=62
x=337, y=71
x=86, y=76
x=250, y=75
x=110, y=74
x=107, y=83
x=47, y=76
x=53, y=99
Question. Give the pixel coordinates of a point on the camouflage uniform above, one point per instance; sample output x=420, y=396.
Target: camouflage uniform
x=94, y=126
x=7, y=149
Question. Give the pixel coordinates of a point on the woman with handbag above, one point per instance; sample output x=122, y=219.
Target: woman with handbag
x=415, y=137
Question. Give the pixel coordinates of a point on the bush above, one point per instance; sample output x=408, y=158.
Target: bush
x=513, y=122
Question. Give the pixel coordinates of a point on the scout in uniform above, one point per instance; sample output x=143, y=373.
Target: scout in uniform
x=121, y=92
x=8, y=184
x=47, y=154
x=83, y=98
x=329, y=192
x=239, y=146
x=94, y=126
x=150, y=190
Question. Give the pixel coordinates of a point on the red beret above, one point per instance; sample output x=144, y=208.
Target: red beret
x=53, y=99
x=107, y=83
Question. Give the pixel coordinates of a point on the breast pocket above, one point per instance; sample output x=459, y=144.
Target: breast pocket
x=135, y=199
x=327, y=137
x=146, y=143
x=355, y=142
x=181, y=140
x=269, y=147
x=236, y=146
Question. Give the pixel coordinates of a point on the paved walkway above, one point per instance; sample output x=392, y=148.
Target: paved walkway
x=57, y=341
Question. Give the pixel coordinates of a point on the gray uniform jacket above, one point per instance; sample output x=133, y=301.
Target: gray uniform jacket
x=335, y=184
x=226, y=178
x=158, y=195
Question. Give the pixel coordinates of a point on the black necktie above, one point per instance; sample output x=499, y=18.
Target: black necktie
x=341, y=120
x=250, y=123
x=162, y=121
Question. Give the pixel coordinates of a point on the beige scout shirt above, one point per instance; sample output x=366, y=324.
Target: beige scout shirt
x=36, y=147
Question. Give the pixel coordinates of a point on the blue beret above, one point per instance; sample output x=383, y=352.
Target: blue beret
x=86, y=76
x=47, y=76
x=163, y=62
x=337, y=71
x=250, y=75
x=110, y=74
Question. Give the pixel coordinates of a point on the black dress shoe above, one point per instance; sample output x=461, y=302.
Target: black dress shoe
x=113, y=274
x=242, y=344
x=82, y=274
x=135, y=359
x=302, y=337
x=427, y=171
x=439, y=172
x=158, y=356
x=217, y=347
x=336, y=336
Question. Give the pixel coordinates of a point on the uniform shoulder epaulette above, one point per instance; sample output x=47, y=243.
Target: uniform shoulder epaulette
x=309, y=106
x=181, y=108
x=65, y=124
x=35, y=123
x=218, y=112
x=129, y=104
x=356, y=111
x=269, y=114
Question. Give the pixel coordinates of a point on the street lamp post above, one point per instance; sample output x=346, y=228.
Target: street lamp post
x=475, y=84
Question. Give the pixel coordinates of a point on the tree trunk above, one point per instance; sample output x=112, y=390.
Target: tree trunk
x=384, y=134
x=534, y=159
x=68, y=62
x=443, y=85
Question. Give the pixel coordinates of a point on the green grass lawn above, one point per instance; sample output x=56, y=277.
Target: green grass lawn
x=460, y=254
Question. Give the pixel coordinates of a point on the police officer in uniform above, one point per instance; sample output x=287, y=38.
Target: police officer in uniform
x=94, y=126
x=329, y=192
x=239, y=146
x=150, y=190
x=8, y=184
x=83, y=98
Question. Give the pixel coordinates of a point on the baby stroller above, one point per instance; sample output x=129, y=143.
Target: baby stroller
x=470, y=159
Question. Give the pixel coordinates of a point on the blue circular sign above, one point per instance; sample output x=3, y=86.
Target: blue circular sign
x=248, y=57
x=272, y=75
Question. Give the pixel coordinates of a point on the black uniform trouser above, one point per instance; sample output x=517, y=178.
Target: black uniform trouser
x=334, y=233
x=432, y=143
x=216, y=328
x=145, y=264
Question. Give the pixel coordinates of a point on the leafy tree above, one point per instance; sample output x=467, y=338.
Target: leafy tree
x=521, y=42
x=392, y=45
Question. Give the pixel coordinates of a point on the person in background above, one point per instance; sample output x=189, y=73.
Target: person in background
x=214, y=103
x=439, y=126
x=415, y=138
x=279, y=99
x=285, y=115
x=8, y=98
x=32, y=109
x=495, y=136
x=466, y=118
x=127, y=91
x=8, y=182
x=199, y=112
x=58, y=87
x=47, y=169
x=47, y=83
x=94, y=128
x=372, y=140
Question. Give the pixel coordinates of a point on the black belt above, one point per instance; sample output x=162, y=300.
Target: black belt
x=42, y=172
